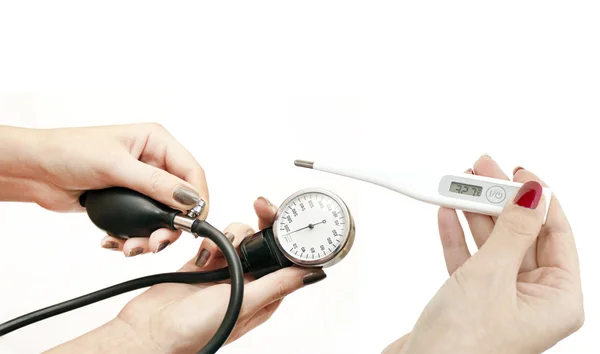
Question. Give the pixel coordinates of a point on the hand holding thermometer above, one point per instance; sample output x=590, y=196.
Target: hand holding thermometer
x=476, y=194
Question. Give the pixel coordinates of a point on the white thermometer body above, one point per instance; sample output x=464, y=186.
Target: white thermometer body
x=471, y=193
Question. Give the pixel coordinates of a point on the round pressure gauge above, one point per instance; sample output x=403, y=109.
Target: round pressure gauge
x=314, y=227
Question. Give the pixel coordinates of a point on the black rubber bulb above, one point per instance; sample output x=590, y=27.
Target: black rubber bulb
x=125, y=213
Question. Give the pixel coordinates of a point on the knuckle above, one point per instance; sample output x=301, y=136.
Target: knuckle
x=520, y=225
x=200, y=170
x=280, y=291
x=157, y=179
x=155, y=127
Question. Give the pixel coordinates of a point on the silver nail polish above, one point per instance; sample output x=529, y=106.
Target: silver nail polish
x=230, y=236
x=136, y=251
x=202, y=258
x=185, y=195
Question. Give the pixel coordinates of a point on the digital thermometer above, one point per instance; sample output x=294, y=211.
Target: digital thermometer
x=471, y=193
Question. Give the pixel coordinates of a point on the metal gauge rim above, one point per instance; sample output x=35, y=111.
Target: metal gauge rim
x=347, y=238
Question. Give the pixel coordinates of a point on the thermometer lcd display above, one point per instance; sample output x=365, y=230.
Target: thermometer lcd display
x=468, y=189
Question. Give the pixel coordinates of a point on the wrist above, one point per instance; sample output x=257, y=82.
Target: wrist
x=20, y=152
x=441, y=338
x=450, y=341
x=115, y=336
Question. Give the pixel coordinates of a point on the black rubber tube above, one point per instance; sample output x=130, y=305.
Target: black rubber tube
x=234, y=271
x=130, y=285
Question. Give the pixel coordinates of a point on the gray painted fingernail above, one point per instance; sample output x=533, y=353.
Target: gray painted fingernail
x=162, y=246
x=186, y=195
x=202, y=258
x=111, y=245
x=230, y=236
x=136, y=251
x=314, y=277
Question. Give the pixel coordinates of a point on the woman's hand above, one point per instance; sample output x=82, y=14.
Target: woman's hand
x=53, y=167
x=181, y=318
x=520, y=293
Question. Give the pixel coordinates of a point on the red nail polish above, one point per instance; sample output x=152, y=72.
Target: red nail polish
x=529, y=195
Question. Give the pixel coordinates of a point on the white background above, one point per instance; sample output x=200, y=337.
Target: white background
x=433, y=84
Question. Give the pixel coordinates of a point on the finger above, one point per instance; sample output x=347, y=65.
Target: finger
x=136, y=246
x=112, y=243
x=530, y=261
x=277, y=285
x=266, y=212
x=162, y=238
x=396, y=346
x=517, y=228
x=486, y=166
x=482, y=225
x=452, y=236
x=180, y=162
x=556, y=244
x=155, y=183
x=235, y=232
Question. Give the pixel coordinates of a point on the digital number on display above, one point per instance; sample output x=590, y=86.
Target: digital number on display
x=467, y=189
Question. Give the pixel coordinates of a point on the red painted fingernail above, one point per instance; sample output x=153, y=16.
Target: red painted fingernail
x=529, y=195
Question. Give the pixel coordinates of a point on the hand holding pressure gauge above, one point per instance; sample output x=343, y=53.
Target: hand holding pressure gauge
x=313, y=228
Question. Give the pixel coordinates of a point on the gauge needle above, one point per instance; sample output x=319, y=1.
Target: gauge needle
x=310, y=226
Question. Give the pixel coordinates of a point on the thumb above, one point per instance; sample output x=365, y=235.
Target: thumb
x=157, y=184
x=516, y=229
x=279, y=284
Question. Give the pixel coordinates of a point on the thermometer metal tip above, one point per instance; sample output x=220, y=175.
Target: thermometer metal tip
x=304, y=163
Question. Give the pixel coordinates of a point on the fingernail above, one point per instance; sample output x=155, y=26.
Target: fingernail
x=470, y=171
x=485, y=156
x=135, y=252
x=529, y=195
x=230, y=236
x=111, y=245
x=314, y=277
x=162, y=245
x=517, y=169
x=266, y=201
x=186, y=195
x=202, y=258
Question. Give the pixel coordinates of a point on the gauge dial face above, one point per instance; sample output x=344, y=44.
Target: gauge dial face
x=312, y=227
